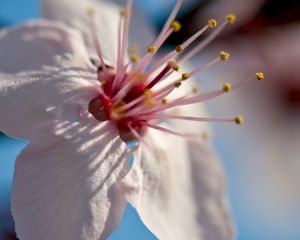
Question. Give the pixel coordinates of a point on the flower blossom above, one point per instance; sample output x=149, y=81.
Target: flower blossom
x=69, y=86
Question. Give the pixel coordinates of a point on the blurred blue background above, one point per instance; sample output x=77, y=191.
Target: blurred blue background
x=249, y=224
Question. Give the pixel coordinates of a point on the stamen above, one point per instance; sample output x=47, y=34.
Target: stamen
x=204, y=97
x=165, y=91
x=126, y=28
x=195, y=119
x=159, y=77
x=231, y=18
x=120, y=66
x=224, y=56
x=176, y=26
x=139, y=77
x=170, y=131
x=164, y=101
x=91, y=14
x=128, y=96
x=171, y=17
x=185, y=76
x=134, y=58
x=160, y=39
x=152, y=49
x=239, y=119
x=227, y=87
x=173, y=65
x=149, y=97
x=131, y=104
x=178, y=49
x=122, y=45
x=177, y=83
x=212, y=23
x=203, y=44
x=260, y=76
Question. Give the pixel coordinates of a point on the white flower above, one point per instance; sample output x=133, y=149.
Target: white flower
x=72, y=181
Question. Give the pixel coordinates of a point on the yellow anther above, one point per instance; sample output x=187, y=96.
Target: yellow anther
x=149, y=97
x=260, y=76
x=227, y=87
x=177, y=83
x=125, y=12
x=173, y=65
x=134, y=58
x=239, y=119
x=196, y=89
x=176, y=26
x=133, y=49
x=140, y=77
x=179, y=49
x=152, y=49
x=164, y=101
x=90, y=11
x=185, y=76
x=212, y=23
x=231, y=18
x=224, y=56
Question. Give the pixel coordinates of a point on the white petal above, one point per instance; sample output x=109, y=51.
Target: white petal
x=179, y=190
x=35, y=44
x=62, y=90
x=28, y=99
x=66, y=182
x=142, y=32
x=74, y=14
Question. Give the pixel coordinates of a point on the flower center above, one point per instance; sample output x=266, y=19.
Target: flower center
x=130, y=95
x=104, y=107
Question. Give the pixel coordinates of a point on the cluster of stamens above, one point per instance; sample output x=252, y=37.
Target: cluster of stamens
x=131, y=96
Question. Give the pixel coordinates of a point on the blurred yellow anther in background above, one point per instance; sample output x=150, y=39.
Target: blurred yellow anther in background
x=231, y=18
x=140, y=77
x=133, y=49
x=152, y=49
x=185, y=76
x=90, y=11
x=224, y=56
x=176, y=26
x=173, y=65
x=164, y=101
x=196, y=89
x=212, y=23
x=149, y=97
x=179, y=48
x=134, y=58
x=177, y=83
x=125, y=12
x=227, y=87
x=260, y=76
x=239, y=119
